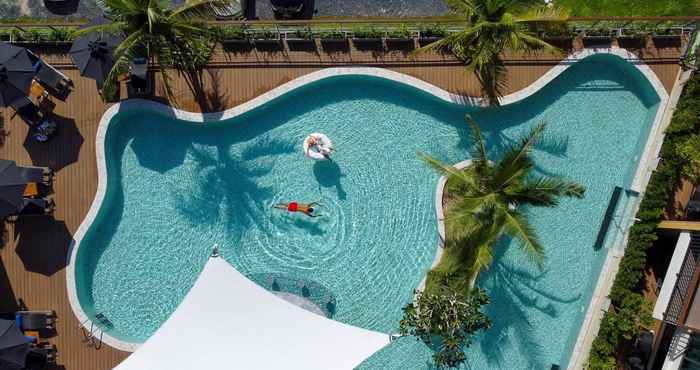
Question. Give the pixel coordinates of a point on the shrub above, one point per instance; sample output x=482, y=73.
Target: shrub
x=628, y=312
x=446, y=322
x=401, y=32
x=232, y=33
x=367, y=33
x=331, y=34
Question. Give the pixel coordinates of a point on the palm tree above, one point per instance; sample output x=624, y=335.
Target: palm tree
x=485, y=202
x=492, y=27
x=177, y=38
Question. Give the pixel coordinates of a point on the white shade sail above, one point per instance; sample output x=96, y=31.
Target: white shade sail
x=228, y=322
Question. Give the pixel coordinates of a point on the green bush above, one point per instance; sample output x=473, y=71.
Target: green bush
x=231, y=33
x=331, y=34
x=435, y=30
x=365, y=32
x=629, y=312
x=401, y=32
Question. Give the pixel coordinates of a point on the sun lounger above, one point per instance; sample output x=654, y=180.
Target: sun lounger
x=27, y=110
x=35, y=320
x=47, y=174
x=41, y=354
x=58, y=83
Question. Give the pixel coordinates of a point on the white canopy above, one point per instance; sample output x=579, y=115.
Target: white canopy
x=228, y=322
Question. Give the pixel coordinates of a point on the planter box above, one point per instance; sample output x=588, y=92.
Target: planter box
x=368, y=43
x=268, y=44
x=427, y=40
x=335, y=45
x=403, y=43
x=237, y=45
x=299, y=44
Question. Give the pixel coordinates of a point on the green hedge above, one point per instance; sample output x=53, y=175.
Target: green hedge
x=625, y=294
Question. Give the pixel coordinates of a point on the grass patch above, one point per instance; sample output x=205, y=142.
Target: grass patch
x=588, y=8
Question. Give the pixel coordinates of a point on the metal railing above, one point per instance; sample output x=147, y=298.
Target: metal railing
x=681, y=290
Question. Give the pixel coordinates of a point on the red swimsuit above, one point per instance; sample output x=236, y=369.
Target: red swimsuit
x=292, y=207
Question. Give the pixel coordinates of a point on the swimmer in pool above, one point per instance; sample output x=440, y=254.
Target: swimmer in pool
x=305, y=208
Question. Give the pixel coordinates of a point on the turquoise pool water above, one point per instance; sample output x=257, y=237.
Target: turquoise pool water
x=176, y=189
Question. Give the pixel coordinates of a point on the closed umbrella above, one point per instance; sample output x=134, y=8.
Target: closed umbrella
x=93, y=54
x=16, y=73
x=14, y=346
x=13, y=182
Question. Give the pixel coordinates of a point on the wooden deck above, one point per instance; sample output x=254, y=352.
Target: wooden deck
x=34, y=251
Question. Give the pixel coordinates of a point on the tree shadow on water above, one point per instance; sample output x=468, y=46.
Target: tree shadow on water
x=328, y=175
x=514, y=293
x=227, y=191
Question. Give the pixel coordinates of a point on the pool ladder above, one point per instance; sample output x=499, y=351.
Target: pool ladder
x=91, y=335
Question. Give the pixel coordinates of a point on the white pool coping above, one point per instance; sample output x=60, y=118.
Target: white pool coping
x=642, y=174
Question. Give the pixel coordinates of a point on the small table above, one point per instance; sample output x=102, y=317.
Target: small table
x=31, y=190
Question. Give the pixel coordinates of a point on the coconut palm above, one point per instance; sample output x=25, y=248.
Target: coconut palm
x=492, y=27
x=169, y=37
x=485, y=202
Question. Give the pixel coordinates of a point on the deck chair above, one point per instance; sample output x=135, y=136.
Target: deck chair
x=56, y=82
x=40, y=355
x=27, y=110
x=47, y=174
x=33, y=207
x=35, y=320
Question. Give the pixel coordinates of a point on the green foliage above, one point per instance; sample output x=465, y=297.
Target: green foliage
x=37, y=34
x=484, y=203
x=231, y=33
x=446, y=322
x=627, y=315
x=304, y=34
x=494, y=26
x=331, y=34
x=402, y=32
x=630, y=8
x=367, y=32
x=170, y=37
x=689, y=151
x=266, y=34
x=435, y=30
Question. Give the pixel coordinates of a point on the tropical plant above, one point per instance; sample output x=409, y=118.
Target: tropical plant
x=169, y=37
x=446, y=322
x=485, y=202
x=494, y=26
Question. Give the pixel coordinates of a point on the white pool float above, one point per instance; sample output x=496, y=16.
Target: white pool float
x=318, y=146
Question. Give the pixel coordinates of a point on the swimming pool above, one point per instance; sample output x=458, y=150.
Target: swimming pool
x=176, y=189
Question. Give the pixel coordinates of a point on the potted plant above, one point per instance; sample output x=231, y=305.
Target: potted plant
x=234, y=38
x=400, y=38
x=267, y=40
x=333, y=40
x=430, y=34
x=300, y=39
x=365, y=38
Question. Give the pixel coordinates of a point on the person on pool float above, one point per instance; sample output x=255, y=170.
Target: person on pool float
x=305, y=208
x=324, y=152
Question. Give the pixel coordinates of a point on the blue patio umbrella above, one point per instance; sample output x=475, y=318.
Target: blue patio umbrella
x=93, y=54
x=16, y=73
x=13, y=181
x=14, y=346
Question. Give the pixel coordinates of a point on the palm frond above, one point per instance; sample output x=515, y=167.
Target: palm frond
x=198, y=8
x=114, y=28
x=517, y=227
x=516, y=162
x=545, y=191
x=453, y=174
